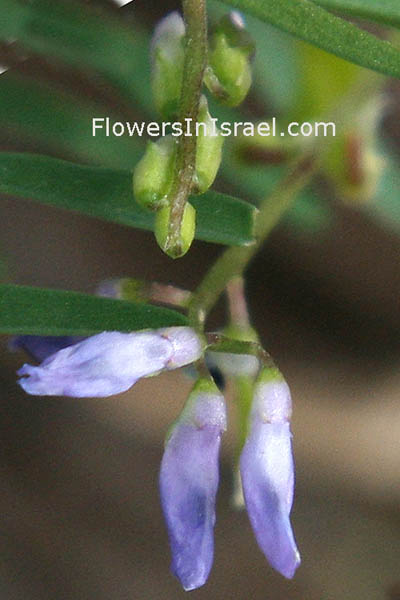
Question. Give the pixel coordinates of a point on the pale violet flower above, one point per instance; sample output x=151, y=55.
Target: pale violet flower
x=188, y=483
x=110, y=362
x=267, y=472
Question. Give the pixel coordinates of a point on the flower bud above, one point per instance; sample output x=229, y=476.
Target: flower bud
x=228, y=75
x=123, y=288
x=188, y=230
x=267, y=472
x=153, y=175
x=168, y=57
x=208, y=150
x=189, y=480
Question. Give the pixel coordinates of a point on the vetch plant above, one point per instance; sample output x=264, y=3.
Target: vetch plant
x=100, y=345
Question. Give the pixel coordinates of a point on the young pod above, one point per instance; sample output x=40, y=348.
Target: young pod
x=228, y=75
x=168, y=55
x=152, y=176
x=188, y=230
x=208, y=150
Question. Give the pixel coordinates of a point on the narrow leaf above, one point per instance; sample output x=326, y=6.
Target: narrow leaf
x=80, y=35
x=315, y=25
x=107, y=194
x=33, y=111
x=383, y=11
x=36, y=311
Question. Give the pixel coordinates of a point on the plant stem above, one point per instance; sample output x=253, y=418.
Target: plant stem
x=195, y=15
x=234, y=261
x=238, y=312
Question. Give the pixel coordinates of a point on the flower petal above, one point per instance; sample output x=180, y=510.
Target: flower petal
x=188, y=484
x=267, y=472
x=102, y=365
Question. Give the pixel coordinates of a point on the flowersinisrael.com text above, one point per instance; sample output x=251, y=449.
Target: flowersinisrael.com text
x=223, y=128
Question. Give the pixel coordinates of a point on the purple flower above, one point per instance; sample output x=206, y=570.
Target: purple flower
x=267, y=472
x=110, y=362
x=188, y=483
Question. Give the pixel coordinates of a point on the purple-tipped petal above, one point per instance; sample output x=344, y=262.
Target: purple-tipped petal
x=188, y=484
x=267, y=472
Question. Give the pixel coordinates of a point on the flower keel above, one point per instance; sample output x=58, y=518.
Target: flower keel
x=267, y=472
x=188, y=483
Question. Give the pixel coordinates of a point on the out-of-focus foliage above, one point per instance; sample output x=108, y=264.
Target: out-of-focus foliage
x=384, y=11
x=311, y=23
x=107, y=194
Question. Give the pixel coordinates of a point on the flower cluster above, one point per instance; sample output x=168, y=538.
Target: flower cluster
x=111, y=362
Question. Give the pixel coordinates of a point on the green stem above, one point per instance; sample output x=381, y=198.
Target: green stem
x=234, y=261
x=195, y=15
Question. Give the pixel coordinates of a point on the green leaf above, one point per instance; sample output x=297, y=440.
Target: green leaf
x=107, y=194
x=80, y=35
x=383, y=11
x=36, y=311
x=315, y=25
x=33, y=112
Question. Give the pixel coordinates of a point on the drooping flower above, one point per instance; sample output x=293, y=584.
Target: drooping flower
x=110, y=362
x=188, y=483
x=267, y=472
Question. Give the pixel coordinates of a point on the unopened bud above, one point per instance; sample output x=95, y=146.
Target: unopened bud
x=168, y=57
x=228, y=75
x=188, y=228
x=124, y=288
x=152, y=177
x=208, y=150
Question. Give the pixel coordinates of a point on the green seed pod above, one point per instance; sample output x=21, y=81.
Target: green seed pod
x=208, y=150
x=153, y=174
x=228, y=75
x=188, y=230
x=168, y=55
